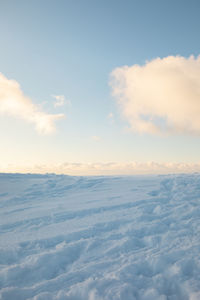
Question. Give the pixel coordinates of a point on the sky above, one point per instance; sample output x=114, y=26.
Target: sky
x=99, y=87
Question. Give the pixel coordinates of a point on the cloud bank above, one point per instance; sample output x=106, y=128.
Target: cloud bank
x=162, y=96
x=107, y=168
x=14, y=103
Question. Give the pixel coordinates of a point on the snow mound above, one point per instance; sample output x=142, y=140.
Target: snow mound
x=99, y=238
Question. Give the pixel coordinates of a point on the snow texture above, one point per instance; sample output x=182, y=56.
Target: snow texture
x=99, y=238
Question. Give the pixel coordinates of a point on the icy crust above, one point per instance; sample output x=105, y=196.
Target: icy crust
x=96, y=238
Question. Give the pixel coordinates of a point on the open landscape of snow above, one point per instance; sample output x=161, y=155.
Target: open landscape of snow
x=92, y=238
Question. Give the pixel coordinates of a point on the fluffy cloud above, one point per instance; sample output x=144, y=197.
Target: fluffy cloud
x=14, y=103
x=162, y=96
x=109, y=168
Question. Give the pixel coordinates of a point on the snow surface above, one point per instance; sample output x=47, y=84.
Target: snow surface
x=92, y=238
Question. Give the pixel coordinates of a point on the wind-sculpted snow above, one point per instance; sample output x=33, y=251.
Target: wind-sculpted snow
x=96, y=238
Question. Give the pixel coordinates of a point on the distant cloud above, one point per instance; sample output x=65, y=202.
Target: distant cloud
x=96, y=138
x=14, y=103
x=162, y=96
x=60, y=100
x=109, y=168
x=111, y=117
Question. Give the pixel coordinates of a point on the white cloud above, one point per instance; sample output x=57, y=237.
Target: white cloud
x=109, y=168
x=60, y=100
x=162, y=96
x=14, y=103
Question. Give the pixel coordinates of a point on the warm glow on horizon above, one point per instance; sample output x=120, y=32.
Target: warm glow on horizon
x=86, y=169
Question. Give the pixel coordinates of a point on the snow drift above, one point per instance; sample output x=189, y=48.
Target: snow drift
x=130, y=238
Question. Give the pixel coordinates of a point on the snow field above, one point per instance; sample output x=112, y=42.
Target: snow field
x=99, y=238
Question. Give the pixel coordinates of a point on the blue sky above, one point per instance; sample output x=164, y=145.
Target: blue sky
x=69, y=48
